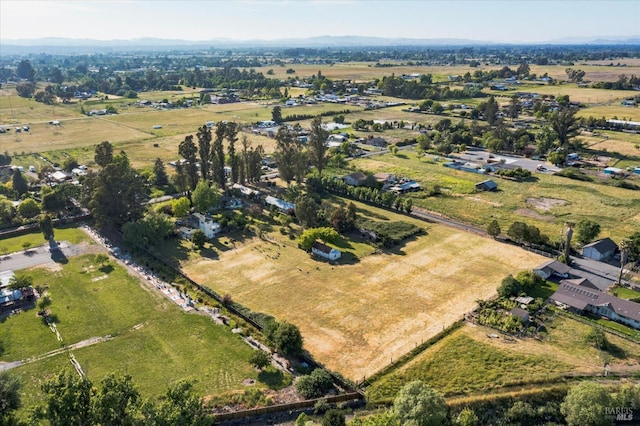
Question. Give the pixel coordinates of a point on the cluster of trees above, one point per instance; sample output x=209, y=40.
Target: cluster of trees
x=523, y=283
x=294, y=157
x=424, y=88
x=368, y=194
x=209, y=154
x=73, y=400
x=527, y=234
x=623, y=83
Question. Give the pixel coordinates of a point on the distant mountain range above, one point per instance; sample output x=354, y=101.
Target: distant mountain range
x=69, y=45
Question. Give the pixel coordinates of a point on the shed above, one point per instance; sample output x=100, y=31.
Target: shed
x=325, y=251
x=487, y=185
x=600, y=250
x=613, y=171
x=521, y=313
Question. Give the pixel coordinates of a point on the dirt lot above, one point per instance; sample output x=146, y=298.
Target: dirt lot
x=356, y=318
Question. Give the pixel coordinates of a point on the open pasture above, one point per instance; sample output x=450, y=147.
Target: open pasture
x=153, y=340
x=612, y=110
x=357, y=316
x=584, y=95
x=467, y=361
x=615, y=209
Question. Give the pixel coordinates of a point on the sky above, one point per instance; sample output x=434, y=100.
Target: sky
x=507, y=21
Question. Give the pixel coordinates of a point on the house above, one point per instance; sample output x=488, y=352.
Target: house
x=405, y=186
x=60, y=176
x=583, y=299
x=207, y=225
x=325, y=251
x=281, y=205
x=355, y=179
x=375, y=141
x=600, y=250
x=613, y=171
x=487, y=185
x=551, y=268
x=385, y=179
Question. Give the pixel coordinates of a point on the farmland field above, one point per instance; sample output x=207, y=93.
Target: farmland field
x=358, y=316
x=153, y=340
x=615, y=209
x=483, y=364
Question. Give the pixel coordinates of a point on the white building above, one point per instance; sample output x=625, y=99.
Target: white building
x=207, y=225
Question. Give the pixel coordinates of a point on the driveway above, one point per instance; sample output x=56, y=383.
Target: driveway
x=39, y=256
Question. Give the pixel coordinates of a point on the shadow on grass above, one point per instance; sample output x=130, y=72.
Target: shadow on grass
x=106, y=269
x=221, y=245
x=273, y=378
x=349, y=258
x=616, y=351
x=209, y=253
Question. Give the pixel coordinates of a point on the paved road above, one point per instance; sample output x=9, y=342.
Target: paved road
x=481, y=157
x=39, y=256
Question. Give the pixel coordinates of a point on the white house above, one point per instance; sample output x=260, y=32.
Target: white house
x=207, y=225
x=325, y=251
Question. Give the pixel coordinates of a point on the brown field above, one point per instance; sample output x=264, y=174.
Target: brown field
x=578, y=94
x=612, y=110
x=356, y=318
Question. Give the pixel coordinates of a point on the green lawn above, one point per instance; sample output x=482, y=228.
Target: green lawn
x=14, y=244
x=153, y=339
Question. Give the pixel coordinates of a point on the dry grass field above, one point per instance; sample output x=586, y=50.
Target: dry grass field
x=357, y=317
x=613, y=110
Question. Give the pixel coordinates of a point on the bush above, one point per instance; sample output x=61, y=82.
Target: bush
x=315, y=384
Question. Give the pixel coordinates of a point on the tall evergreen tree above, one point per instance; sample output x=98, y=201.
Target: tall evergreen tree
x=19, y=183
x=217, y=156
x=232, y=138
x=160, y=173
x=318, y=145
x=187, y=149
x=204, y=150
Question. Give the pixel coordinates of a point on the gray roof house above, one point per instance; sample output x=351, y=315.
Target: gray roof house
x=552, y=267
x=585, y=299
x=325, y=251
x=600, y=250
x=355, y=179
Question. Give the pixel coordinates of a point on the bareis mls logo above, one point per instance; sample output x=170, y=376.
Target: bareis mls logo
x=619, y=414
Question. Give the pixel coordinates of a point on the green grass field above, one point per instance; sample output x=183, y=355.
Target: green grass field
x=468, y=362
x=615, y=209
x=153, y=339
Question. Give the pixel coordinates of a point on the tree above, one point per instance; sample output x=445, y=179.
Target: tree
x=181, y=406
x=117, y=401
x=317, y=145
x=287, y=339
x=42, y=305
x=100, y=259
x=597, y=338
x=420, y=405
x=307, y=211
x=69, y=164
x=625, y=246
x=7, y=211
x=260, y=359
x=25, y=70
x=46, y=226
x=314, y=385
x=198, y=238
x=181, y=207
x=276, y=115
x=490, y=111
x=19, y=184
x=514, y=107
x=334, y=417
x=566, y=125
x=29, y=208
x=10, y=400
x=204, y=150
x=18, y=282
x=103, y=154
x=575, y=76
x=493, y=229
x=234, y=161
x=585, y=405
x=160, y=177
x=288, y=154
x=205, y=197
x=587, y=231
x=115, y=193
x=217, y=156
x=311, y=235
x=187, y=149
x=25, y=89
x=467, y=417
x=68, y=400
x=509, y=287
